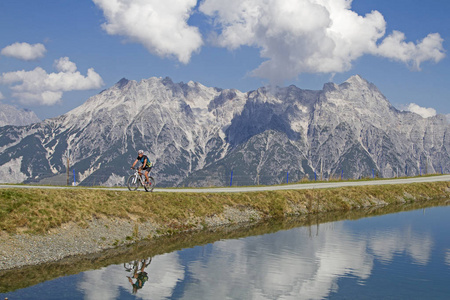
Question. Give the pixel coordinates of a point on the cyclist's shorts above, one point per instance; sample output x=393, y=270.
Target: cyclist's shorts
x=147, y=168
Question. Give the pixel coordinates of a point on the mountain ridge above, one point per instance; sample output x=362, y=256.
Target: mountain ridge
x=193, y=133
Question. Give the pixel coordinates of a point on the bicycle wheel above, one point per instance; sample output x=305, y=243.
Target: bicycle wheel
x=129, y=266
x=151, y=186
x=133, y=183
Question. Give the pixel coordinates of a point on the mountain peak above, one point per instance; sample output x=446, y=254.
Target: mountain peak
x=357, y=79
x=10, y=115
x=122, y=82
x=357, y=82
x=167, y=81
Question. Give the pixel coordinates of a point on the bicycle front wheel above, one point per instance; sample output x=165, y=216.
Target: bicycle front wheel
x=149, y=187
x=133, y=183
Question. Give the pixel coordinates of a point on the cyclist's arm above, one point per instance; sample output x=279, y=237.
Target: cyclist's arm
x=135, y=162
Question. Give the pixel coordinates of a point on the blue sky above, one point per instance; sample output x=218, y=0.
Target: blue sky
x=55, y=54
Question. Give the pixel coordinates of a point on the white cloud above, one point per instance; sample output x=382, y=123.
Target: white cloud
x=24, y=51
x=1, y=96
x=315, y=36
x=387, y=244
x=65, y=65
x=421, y=111
x=39, y=87
x=160, y=25
x=395, y=47
x=295, y=36
x=301, y=267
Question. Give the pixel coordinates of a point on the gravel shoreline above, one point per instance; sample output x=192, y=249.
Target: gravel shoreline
x=100, y=234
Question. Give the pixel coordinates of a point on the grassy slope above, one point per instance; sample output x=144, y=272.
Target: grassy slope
x=39, y=210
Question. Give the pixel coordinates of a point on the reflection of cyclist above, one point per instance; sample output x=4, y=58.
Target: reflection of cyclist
x=141, y=276
x=146, y=164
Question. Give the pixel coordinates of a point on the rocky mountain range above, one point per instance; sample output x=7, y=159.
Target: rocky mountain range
x=10, y=115
x=201, y=136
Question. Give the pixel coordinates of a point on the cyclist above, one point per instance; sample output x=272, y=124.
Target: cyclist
x=141, y=276
x=146, y=164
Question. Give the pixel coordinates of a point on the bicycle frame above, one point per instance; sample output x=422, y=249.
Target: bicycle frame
x=137, y=174
x=133, y=183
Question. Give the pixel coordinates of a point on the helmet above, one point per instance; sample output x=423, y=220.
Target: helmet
x=141, y=152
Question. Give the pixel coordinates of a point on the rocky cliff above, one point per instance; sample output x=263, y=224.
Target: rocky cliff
x=198, y=135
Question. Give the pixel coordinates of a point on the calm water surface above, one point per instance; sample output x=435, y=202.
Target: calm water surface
x=398, y=256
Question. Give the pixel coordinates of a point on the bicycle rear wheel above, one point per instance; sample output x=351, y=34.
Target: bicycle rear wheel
x=133, y=183
x=149, y=187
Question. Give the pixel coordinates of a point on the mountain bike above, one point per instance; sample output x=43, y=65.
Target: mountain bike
x=136, y=265
x=138, y=179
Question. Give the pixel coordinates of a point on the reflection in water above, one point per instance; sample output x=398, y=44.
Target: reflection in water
x=283, y=265
x=163, y=274
x=138, y=275
x=387, y=244
x=403, y=255
x=291, y=264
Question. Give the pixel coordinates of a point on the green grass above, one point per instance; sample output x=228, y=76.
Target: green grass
x=39, y=210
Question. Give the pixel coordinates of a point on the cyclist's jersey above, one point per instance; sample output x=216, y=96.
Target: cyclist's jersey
x=141, y=279
x=142, y=159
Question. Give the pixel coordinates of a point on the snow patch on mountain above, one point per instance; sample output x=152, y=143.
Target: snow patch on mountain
x=115, y=180
x=10, y=171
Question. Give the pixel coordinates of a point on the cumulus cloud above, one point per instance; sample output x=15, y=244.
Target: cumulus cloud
x=65, y=65
x=429, y=49
x=385, y=245
x=421, y=111
x=24, y=51
x=160, y=25
x=312, y=36
x=294, y=36
x=39, y=87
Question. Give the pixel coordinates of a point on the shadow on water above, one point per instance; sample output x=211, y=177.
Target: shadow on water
x=11, y=280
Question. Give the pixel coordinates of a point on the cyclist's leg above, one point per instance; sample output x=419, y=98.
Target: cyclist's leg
x=146, y=175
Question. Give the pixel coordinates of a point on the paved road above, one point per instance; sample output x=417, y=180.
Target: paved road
x=302, y=186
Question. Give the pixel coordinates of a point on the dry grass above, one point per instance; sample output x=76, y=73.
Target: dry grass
x=39, y=210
